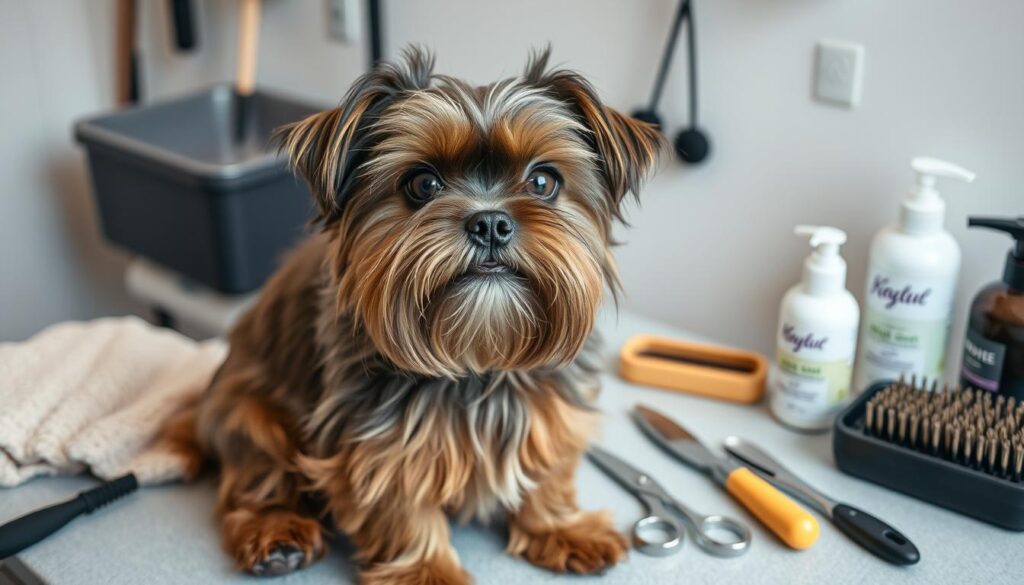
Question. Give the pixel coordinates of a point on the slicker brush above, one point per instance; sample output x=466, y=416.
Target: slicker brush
x=959, y=448
x=964, y=425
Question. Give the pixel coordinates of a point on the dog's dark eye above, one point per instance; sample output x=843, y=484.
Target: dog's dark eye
x=423, y=186
x=543, y=183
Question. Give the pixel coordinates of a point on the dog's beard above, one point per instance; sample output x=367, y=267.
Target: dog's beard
x=419, y=295
x=489, y=321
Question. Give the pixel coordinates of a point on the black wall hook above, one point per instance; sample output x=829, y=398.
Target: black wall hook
x=691, y=144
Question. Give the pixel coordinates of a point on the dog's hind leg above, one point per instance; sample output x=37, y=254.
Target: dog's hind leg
x=267, y=526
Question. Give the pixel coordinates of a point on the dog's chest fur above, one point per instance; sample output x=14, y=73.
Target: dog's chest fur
x=471, y=445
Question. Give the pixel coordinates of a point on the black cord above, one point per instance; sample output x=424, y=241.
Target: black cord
x=685, y=12
x=666, y=57
x=691, y=50
x=375, y=18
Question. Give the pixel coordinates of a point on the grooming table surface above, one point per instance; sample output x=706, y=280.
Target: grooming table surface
x=167, y=535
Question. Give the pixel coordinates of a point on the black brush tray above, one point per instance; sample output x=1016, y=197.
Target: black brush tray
x=996, y=500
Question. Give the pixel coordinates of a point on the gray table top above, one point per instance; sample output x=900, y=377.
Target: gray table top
x=167, y=534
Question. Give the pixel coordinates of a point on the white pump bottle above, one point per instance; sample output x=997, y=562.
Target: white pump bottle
x=817, y=338
x=911, y=285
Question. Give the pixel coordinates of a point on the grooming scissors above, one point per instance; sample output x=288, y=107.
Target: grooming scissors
x=659, y=533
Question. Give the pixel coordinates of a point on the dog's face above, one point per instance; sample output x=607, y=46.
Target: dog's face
x=470, y=226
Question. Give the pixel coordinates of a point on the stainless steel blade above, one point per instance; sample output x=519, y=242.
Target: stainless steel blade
x=753, y=456
x=678, y=441
x=775, y=473
x=629, y=477
x=616, y=468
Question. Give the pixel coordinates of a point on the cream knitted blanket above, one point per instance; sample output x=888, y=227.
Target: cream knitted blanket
x=92, y=395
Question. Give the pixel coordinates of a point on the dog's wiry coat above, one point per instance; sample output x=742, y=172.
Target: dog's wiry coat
x=383, y=381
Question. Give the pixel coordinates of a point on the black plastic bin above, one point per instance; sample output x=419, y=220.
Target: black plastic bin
x=175, y=185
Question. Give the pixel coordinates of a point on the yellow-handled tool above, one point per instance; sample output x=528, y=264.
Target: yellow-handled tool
x=791, y=523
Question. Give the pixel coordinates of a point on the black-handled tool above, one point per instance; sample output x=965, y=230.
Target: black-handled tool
x=877, y=537
x=23, y=532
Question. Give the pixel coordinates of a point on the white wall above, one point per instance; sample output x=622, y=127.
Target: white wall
x=710, y=249
x=53, y=264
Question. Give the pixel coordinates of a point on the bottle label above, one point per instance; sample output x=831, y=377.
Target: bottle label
x=810, y=380
x=906, y=325
x=983, y=361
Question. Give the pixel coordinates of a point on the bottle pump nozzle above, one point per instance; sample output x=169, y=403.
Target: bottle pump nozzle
x=923, y=209
x=1013, y=275
x=824, y=269
x=821, y=236
x=928, y=169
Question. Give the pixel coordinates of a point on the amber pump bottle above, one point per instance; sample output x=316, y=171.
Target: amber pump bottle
x=994, y=346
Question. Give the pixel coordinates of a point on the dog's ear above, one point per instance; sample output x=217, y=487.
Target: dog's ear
x=627, y=149
x=328, y=148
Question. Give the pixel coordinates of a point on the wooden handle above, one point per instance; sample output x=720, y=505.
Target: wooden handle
x=248, y=38
x=794, y=525
x=126, y=82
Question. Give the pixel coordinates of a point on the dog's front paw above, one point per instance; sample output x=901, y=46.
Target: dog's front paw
x=433, y=572
x=273, y=543
x=587, y=545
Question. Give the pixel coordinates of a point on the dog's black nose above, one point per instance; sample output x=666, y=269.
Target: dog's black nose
x=490, y=229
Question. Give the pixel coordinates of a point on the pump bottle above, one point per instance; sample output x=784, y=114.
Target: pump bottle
x=817, y=335
x=994, y=346
x=912, y=274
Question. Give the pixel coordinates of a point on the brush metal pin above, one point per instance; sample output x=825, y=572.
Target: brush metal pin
x=1018, y=460
x=979, y=451
x=968, y=443
x=955, y=448
x=915, y=422
x=991, y=450
x=1004, y=457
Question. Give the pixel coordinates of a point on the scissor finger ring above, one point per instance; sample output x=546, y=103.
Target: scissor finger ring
x=722, y=536
x=657, y=536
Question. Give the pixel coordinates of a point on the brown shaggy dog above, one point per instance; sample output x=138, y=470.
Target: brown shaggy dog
x=430, y=351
